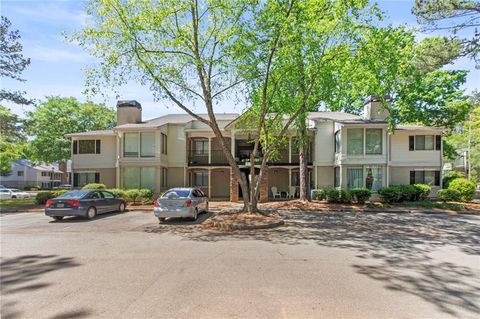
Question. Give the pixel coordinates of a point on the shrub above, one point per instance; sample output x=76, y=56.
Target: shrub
x=320, y=194
x=465, y=187
x=421, y=191
x=332, y=195
x=132, y=195
x=360, y=195
x=117, y=192
x=42, y=197
x=449, y=195
x=390, y=194
x=450, y=176
x=94, y=186
x=146, y=193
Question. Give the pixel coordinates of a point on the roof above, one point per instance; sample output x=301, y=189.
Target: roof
x=41, y=166
x=91, y=133
x=174, y=119
x=344, y=118
x=417, y=128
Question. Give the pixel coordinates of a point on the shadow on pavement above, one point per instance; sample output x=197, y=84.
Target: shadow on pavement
x=19, y=274
x=400, y=244
x=201, y=218
x=80, y=219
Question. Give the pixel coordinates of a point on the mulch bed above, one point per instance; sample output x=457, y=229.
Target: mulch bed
x=243, y=221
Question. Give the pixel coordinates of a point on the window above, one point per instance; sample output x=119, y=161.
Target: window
x=139, y=177
x=336, y=177
x=107, y=195
x=355, y=141
x=201, y=147
x=164, y=177
x=44, y=173
x=338, y=142
x=425, y=177
x=354, y=177
x=164, y=144
x=424, y=142
x=20, y=173
x=130, y=145
x=82, y=179
x=373, y=141
x=200, y=179
x=373, y=178
x=88, y=147
x=147, y=144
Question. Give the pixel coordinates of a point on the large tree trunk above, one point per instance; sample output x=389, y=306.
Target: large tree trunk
x=303, y=171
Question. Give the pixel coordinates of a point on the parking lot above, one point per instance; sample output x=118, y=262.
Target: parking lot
x=341, y=265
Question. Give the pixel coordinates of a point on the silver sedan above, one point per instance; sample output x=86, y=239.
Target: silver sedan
x=181, y=202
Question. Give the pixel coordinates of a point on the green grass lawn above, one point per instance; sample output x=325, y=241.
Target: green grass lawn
x=18, y=204
x=427, y=204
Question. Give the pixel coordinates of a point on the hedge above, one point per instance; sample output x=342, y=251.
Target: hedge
x=360, y=195
x=449, y=195
x=400, y=193
x=42, y=197
x=320, y=194
x=94, y=186
x=465, y=187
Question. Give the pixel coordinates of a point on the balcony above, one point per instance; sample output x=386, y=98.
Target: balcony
x=217, y=158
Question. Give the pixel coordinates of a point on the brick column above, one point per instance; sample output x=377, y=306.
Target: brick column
x=264, y=187
x=233, y=187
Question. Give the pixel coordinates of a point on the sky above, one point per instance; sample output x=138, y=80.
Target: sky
x=57, y=66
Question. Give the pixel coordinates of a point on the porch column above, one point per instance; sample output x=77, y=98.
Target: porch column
x=233, y=143
x=341, y=176
x=209, y=181
x=289, y=178
x=264, y=186
x=289, y=149
x=209, y=153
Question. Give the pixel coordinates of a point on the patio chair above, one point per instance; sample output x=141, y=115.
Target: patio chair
x=276, y=193
x=291, y=192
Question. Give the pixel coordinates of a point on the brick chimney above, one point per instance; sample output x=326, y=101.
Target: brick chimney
x=129, y=112
x=373, y=108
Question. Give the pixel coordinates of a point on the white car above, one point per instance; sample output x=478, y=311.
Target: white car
x=8, y=193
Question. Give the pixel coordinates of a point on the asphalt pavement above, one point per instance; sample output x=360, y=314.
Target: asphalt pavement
x=319, y=265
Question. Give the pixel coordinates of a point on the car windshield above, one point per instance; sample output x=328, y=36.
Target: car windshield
x=15, y=190
x=74, y=194
x=176, y=193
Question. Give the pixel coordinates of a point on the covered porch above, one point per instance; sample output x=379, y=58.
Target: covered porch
x=213, y=181
x=284, y=182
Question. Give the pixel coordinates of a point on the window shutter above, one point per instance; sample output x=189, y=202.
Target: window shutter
x=97, y=177
x=411, y=143
x=412, y=177
x=75, y=147
x=75, y=179
x=437, y=178
x=97, y=146
x=438, y=142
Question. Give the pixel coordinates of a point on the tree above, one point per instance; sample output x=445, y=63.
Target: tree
x=12, y=140
x=454, y=16
x=52, y=119
x=421, y=92
x=196, y=51
x=12, y=62
x=467, y=135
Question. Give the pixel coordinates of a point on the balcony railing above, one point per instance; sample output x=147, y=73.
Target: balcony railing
x=217, y=157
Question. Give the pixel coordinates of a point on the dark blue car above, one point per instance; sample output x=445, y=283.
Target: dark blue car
x=86, y=203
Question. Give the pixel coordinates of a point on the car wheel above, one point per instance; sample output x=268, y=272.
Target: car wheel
x=121, y=208
x=91, y=212
x=161, y=219
x=14, y=196
x=195, y=214
x=58, y=217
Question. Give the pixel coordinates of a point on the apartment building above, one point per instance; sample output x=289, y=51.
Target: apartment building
x=174, y=150
x=25, y=173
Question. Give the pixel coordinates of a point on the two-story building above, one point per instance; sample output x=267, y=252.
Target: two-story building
x=176, y=150
x=25, y=173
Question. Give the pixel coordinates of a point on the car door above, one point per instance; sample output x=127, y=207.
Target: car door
x=111, y=202
x=5, y=194
x=199, y=199
x=205, y=200
x=97, y=200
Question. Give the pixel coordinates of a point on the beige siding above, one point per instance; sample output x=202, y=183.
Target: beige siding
x=401, y=175
x=175, y=177
x=107, y=175
x=176, y=146
x=325, y=176
x=220, y=183
x=106, y=159
x=401, y=156
x=324, y=145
